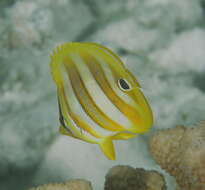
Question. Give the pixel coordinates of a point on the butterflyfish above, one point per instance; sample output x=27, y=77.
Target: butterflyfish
x=99, y=100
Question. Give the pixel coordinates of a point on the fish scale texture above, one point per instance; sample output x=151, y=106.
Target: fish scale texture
x=161, y=42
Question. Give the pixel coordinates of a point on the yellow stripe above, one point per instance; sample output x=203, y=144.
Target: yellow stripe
x=86, y=100
x=114, y=60
x=118, y=69
x=62, y=121
x=66, y=111
x=99, y=76
x=97, y=94
x=104, y=49
x=141, y=105
x=71, y=116
x=130, y=93
x=113, y=81
x=76, y=107
x=77, y=120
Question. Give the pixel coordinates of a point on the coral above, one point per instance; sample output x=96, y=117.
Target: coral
x=34, y=23
x=126, y=177
x=21, y=31
x=181, y=152
x=152, y=24
x=180, y=52
x=77, y=184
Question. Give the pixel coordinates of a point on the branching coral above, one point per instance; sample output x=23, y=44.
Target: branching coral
x=181, y=152
x=126, y=177
x=70, y=185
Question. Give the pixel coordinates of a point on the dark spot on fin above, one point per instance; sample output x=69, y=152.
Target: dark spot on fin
x=62, y=120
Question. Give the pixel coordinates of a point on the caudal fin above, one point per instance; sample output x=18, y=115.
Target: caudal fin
x=107, y=148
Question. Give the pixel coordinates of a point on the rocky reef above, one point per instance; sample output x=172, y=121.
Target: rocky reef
x=77, y=184
x=126, y=177
x=181, y=152
x=118, y=178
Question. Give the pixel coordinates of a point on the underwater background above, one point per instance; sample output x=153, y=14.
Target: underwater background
x=162, y=43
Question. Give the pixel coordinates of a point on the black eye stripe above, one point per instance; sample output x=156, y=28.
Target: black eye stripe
x=123, y=84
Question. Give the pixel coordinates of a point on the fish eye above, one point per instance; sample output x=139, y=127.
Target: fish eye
x=124, y=85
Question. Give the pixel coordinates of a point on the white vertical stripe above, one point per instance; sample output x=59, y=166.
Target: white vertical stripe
x=98, y=96
x=114, y=85
x=76, y=107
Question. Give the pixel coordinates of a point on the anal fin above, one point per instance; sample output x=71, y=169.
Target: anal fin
x=107, y=148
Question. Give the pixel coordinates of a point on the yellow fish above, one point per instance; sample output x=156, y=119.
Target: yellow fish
x=99, y=99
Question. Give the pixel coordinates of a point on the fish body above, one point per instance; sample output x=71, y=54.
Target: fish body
x=99, y=99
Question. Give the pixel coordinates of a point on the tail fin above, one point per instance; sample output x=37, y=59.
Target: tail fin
x=107, y=148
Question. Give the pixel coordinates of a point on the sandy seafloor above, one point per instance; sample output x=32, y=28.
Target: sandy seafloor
x=161, y=41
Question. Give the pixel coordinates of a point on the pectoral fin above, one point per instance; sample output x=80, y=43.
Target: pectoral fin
x=107, y=148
